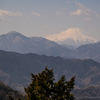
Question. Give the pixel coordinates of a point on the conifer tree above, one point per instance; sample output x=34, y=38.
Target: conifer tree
x=11, y=98
x=43, y=87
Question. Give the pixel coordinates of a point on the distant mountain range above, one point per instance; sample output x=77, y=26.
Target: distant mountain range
x=88, y=51
x=16, y=42
x=15, y=69
x=72, y=36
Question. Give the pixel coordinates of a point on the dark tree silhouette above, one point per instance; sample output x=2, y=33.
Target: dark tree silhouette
x=43, y=87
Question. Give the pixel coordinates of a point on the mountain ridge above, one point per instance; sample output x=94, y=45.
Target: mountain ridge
x=17, y=42
x=19, y=66
x=14, y=41
x=88, y=51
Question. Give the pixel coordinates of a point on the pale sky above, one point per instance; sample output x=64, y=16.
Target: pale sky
x=46, y=17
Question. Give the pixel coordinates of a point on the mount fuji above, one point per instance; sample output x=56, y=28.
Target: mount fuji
x=72, y=36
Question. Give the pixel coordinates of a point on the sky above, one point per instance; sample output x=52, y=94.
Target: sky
x=47, y=17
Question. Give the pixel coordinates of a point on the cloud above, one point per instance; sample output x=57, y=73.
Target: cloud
x=78, y=12
x=46, y=26
x=60, y=13
x=83, y=7
x=8, y=13
x=88, y=19
x=1, y=18
x=68, y=1
x=21, y=6
x=34, y=13
x=9, y=19
x=63, y=8
x=97, y=15
x=83, y=10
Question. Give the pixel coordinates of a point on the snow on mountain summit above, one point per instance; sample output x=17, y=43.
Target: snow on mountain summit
x=73, y=34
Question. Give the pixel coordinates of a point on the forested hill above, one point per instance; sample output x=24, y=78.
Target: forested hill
x=15, y=69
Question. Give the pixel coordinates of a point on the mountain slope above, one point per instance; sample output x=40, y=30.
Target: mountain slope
x=88, y=93
x=19, y=66
x=88, y=51
x=58, y=51
x=72, y=36
x=14, y=41
x=5, y=91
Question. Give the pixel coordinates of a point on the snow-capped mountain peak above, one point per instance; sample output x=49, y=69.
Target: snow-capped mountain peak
x=77, y=35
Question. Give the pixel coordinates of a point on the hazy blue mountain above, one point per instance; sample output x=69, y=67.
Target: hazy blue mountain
x=14, y=41
x=89, y=51
x=58, y=51
x=17, y=68
x=73, y=47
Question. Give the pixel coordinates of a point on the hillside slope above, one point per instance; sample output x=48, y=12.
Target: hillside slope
x=6, y=91
x=88, y=93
